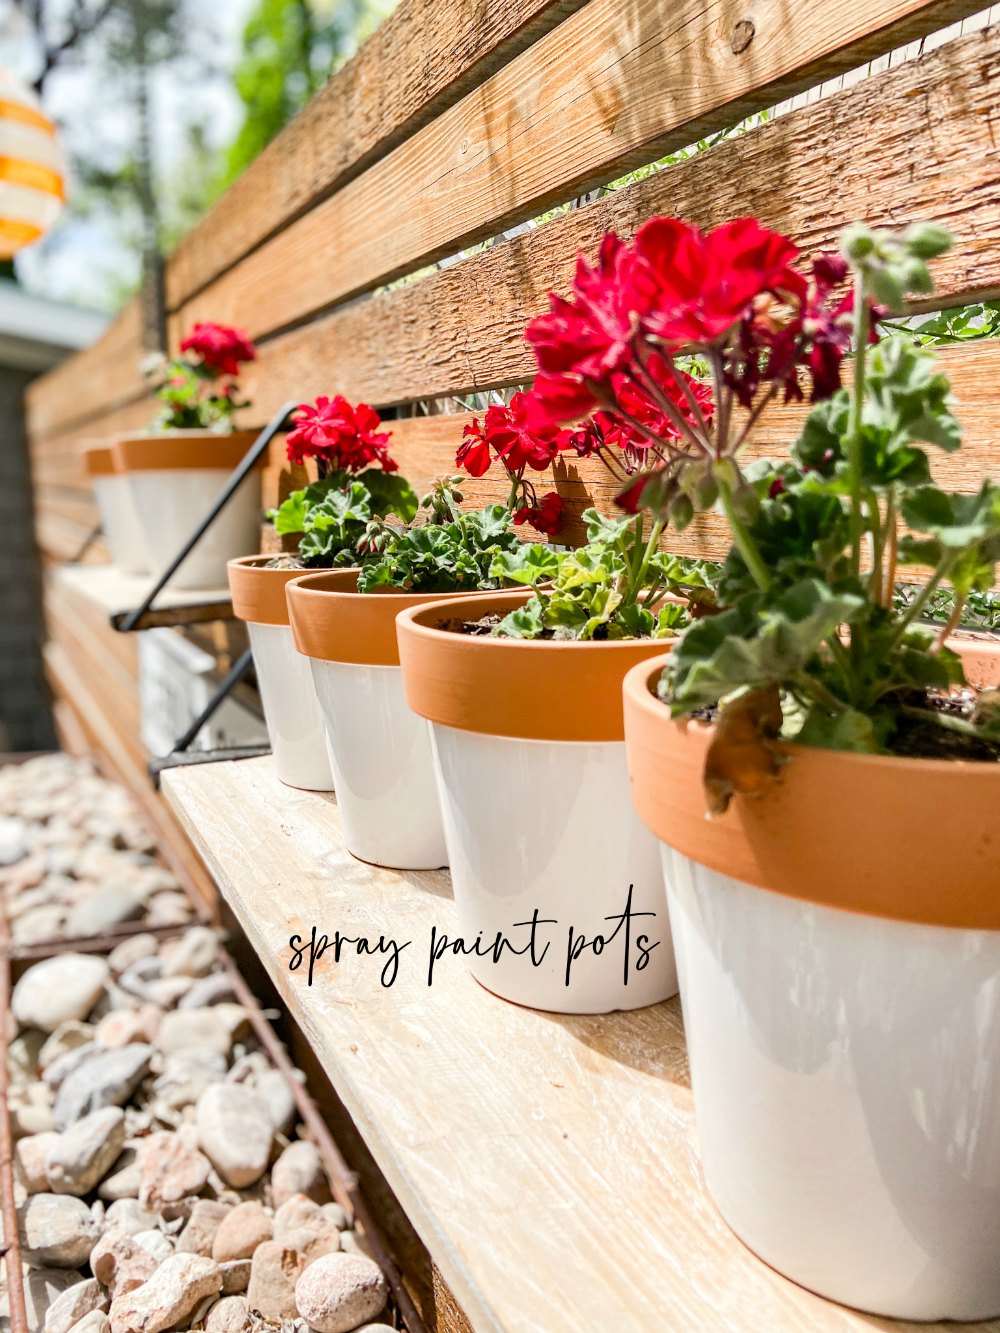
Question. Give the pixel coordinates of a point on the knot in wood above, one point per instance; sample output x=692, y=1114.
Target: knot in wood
x=743, y=35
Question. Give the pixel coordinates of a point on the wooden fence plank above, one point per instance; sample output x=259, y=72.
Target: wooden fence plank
x=616, y=85
x=425, y=57
x=808, y=173
x=425, y=448
x=103, y=376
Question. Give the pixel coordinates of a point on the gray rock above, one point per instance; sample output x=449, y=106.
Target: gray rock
x=63, y=1065
x=86, y=1151
x=56, y=1231
x=169, y=1296
x=74, y=1304
x=59, y=989
x=107, y=1079
x=340, y=1291
x=67, y=1037
x=234, y=1132
x=42, y=1287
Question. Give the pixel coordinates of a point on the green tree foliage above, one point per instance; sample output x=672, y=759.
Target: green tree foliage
x=290, y=48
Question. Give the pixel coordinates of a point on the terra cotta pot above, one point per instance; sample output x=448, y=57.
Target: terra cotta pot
x=294, y=720
x=174, y=479
x=529, y=743
x=838, y=945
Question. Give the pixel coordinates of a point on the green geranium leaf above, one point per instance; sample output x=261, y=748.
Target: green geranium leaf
x=532, y=564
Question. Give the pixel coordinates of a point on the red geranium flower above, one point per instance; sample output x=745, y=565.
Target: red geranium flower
x=340, y=435
x=517, y=434
x=474, y=454
x=222, y=349
x=546, y=516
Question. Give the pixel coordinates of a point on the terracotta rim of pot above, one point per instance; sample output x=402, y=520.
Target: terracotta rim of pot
x=258, y=592
x=98, y=459
x=182, y=450
x=541, y=689
x=906, y=839
x=334, y=622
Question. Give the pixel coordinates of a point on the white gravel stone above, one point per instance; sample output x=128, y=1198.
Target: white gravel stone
x=30, y=1155
x=299, y=1170
x=230, y=1315
x=123, y=1181
x=56, y=1231
x=95, y=1322
x=234, y=1132
x=130, y=951
x=193, y=955
x=74, y=1304
x=13, y=841
x=59, y=989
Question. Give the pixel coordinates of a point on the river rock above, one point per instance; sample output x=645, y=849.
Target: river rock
x=67, y=1037
x=84, y=1153
x=30, y=1155
x=100, y=912
x=340, y=1291
x=42, y=1288
x=274, y=1270
x=300, y=1213
x=30, y=1107
x=273, y=1090
x=194, y=1030
x=158, y=1246
x=173, y=1293
x=235, y=1276
x=13, y=841
x=74, y=1304
x=199, y=1234
x=230, y=1315
x=121, y=1027
x=234, y=1132
x=214, y=989
x=128, y=1215
x=299, y=1170
x=241, y=1231
x=59, y=989
x=169, y=909
x=193, y=955
x=56, y=1230
x=106, y=1079
x=58, y=1070
x=38, y=925
x=24, y=1055
x=312, y=1244
x=120, y=1263
x=130, y=951
x=124, y=1179
x=95, y=1322
x=170, y=1168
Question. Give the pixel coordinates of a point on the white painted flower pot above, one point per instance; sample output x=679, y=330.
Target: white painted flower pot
x=838, y=944
x=174, y=480
x=115, y=508
x=383, y=770
x=294, y=720
x=537, y=814
x=383, y=767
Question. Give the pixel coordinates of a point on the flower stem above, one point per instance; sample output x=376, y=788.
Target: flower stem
x=745, y=544
x=861, y=330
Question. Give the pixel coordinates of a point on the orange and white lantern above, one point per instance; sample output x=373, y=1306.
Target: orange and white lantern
x=32, y=168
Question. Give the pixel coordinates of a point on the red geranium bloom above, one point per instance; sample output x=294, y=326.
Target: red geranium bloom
x=340, y=435
x=517, y=434
x=705, y=283
x=474, y=454
x=222, y=349
x=546, y=516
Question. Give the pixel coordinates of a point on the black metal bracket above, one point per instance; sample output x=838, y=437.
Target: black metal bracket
x=281, y=421
x=182, y=756
x=87, y=543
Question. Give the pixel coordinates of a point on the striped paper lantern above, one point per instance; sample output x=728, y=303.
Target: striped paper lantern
x=32, y=168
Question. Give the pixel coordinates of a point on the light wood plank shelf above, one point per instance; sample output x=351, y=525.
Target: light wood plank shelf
x=550, y=1164
x=118, y=594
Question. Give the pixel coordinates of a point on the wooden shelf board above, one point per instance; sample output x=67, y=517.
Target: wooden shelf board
x=550, y=1164
x=118, y=594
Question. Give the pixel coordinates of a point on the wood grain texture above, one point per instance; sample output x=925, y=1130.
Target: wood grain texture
x=615, y=85
x=807, y=173
x=550, y=1164
x=421, y=60
x=105, y=375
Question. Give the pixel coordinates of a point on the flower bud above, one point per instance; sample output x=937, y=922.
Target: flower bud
x=705, y=492
x=746, y=504
x=857, y=242
x=681, y=512
x=915, y=276
x=927, y=240
x=888, y=287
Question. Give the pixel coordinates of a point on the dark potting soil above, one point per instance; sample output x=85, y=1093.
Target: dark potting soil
x=478, y=628
x=285, y=562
